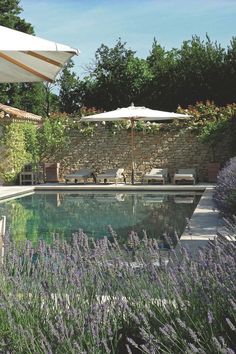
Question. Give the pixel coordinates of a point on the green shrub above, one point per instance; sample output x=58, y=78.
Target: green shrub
x=15, y=144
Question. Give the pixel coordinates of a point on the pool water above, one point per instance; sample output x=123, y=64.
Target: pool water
x=42, y=215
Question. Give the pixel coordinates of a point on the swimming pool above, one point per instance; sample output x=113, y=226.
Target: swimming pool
x=44, y=214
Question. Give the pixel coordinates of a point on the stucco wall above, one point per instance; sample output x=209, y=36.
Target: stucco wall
x=161, y=149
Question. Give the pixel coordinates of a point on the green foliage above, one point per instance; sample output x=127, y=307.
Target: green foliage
x=117, y=79
x=51, y=99
x=18, y=156
x=4, y=159
x=200, y=70
x=53, y=137
x=26, y=96
x=212, y=132
x=31, y=141
x=9, y=16
x=19, y=146
x=69, y=98
x=161, y=91
x=210, y=122
x=25, y=143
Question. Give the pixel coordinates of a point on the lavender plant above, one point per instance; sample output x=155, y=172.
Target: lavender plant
x=101, y=297
x=225, y=191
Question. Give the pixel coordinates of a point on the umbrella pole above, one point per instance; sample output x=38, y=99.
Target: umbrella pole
x=132, y=144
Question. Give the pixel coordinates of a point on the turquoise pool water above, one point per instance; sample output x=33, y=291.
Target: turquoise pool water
x=42, y=215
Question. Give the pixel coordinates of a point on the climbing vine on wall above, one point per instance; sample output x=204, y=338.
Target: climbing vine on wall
x=19, y=146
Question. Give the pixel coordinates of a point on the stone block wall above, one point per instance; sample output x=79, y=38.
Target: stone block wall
x=168, y=149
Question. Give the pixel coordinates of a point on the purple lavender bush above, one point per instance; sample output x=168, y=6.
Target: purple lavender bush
x=100, y=297
x=225, y=191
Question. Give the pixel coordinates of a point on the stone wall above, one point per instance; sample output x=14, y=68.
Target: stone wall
x=168, y=149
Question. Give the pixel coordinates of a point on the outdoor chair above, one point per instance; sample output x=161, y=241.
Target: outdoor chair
x=114, y=174
x=185, y=175
x=157, y=175
x=51, y=172
x=84, y=174
x=27, y=175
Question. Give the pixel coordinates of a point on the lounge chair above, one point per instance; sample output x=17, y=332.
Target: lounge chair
x=185, y=175
x=115, y=174
x=84, y=174
x=157, y=174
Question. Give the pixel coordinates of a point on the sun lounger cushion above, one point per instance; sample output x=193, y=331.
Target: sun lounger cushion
x=114, y=173
x=84, y=173
x=159, y=174
x=185, y=174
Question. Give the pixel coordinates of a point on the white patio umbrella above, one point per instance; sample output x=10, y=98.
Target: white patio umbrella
x=133, y=114
x=27, y=58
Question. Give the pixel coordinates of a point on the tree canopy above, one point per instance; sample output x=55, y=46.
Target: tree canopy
x=199, y=70
x=27, y=96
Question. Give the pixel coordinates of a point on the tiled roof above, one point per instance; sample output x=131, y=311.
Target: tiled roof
x=17, y=114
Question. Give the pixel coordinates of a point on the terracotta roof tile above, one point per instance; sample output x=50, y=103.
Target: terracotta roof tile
x=16, y=113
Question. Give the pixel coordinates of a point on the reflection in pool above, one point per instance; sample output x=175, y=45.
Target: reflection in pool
x=42, y=215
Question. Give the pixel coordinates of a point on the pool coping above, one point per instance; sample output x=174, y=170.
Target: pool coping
x=202, y=226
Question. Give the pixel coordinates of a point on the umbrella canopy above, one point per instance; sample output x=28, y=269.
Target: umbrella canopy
x=133, y=114
x=27, y=58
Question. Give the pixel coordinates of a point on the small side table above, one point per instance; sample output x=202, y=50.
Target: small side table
x=27, y=177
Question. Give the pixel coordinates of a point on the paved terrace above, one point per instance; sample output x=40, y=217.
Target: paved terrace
x=202, y=226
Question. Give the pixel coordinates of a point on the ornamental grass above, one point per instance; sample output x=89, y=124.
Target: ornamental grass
x=99, y=296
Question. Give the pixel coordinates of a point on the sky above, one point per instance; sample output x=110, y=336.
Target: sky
x=86, y=24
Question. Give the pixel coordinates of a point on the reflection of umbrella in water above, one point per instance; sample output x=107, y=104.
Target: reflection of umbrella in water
x=27, y=58
x=133, y=114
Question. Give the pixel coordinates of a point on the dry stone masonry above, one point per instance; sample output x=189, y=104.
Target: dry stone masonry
x=104, y=149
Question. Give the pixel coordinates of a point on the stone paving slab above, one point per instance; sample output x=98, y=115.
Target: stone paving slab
x=203, y=225
x=7, y=192
x=121, y=187
x=205, y=220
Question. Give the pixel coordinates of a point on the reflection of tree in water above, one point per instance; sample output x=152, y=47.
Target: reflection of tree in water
x=42, y=215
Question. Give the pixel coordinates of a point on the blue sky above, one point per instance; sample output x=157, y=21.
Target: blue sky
x=86, y=24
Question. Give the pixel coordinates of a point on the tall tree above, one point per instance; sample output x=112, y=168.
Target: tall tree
x=229, y=74
x=28, y=96
x=161, y=88
x=9, y=16
x=69, y=94
x=200, y=71
x=117, y=79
